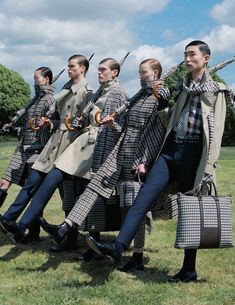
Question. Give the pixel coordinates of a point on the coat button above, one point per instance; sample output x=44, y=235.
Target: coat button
x=105, y=182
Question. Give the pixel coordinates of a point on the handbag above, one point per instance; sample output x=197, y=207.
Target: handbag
x=128, y=192
x=204, y=221
x=166, y=207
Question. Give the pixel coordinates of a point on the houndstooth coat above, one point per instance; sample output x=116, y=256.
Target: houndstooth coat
x=31, y=142
x=71, y=101
x=139, y=142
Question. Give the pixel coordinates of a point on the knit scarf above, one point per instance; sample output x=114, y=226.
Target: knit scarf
x=207, y=84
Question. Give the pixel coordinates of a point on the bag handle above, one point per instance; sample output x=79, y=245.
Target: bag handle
x=139, y=178
x=211, y=187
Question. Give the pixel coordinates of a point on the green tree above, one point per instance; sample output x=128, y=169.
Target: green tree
x=229, y=130
x=14, y=93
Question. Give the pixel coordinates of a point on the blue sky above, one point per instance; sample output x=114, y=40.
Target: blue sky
x=36, y=33
x=176, y=19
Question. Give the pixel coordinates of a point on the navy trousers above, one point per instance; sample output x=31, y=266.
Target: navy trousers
x=28, y=190
x=40, y=187
x=178, y=161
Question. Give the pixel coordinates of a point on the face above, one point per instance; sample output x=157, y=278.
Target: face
x=105, y=73
x=39, y=79
x=74, y=69
x=146, y=72
x=195, y=60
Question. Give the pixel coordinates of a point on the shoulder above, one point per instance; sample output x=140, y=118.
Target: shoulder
x=118, y=91
x=222, y=86
x=88, y=87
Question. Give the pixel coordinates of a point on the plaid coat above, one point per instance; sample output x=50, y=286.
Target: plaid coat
x=139, y=142
x=30, y=142
x=77, y=159
x=71, y=101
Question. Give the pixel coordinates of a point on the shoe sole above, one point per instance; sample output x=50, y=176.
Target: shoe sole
x=108, y=258
x=192, y=280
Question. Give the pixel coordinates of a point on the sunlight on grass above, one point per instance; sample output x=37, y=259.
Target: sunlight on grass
x=30, y=275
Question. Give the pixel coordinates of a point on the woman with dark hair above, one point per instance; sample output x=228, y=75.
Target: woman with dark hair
x=31, y=142
x=24, y=155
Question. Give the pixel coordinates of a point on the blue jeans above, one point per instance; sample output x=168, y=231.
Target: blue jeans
x=178, y=161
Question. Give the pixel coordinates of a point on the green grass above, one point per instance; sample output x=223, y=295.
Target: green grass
x=29, y=275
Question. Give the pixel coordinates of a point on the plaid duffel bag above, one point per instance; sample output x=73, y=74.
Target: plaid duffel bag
x=204, y=221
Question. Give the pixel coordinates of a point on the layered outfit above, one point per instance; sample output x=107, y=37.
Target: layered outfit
x=113, y=96
x=188, y=155
x=141, y=138
x=87, y=153
x=31, y=142
x=71, y=101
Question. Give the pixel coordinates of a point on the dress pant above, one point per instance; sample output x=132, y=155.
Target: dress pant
x=28, y=190
x=42, y=196
x=40, y=187
x=178, y=161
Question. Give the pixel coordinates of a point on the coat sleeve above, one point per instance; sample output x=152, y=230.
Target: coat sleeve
x=150, y=142
x=215, y=140
x=117, y=99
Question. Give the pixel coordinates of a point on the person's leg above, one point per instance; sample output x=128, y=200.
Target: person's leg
x=156, y=182
x=136, y=260
x=82, y=207
x=41, y=198
x=30, y=187
x=185, y=170
x=75, y=218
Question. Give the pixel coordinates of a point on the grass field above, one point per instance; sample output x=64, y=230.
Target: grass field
x=30, y=275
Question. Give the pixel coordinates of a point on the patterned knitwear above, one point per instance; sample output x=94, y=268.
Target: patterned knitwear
x=189, y=127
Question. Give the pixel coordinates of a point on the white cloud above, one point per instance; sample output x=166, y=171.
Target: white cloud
x=35, y=33
x=82, y=9
x=221, y=39
x=224, y=12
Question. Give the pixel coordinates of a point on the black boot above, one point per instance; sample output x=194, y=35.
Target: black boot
x=33, y=236
x=184, y=277
x=3, y=195
x=188, y=271
x=89, y=254
x=58, y=232
x=108, y=250
x=135, y=263
x=11, y=228
x=68, y=244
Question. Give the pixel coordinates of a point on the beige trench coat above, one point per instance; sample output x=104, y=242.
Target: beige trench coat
x=209, y=101
x=77, y=158
x=70, y=102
